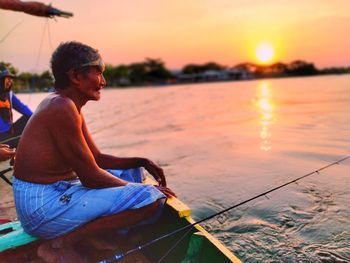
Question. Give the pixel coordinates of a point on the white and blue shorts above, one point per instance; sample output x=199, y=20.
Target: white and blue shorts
x=51, y=210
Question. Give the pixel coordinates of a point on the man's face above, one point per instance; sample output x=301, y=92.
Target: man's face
x=8, y=83
x=92, y=82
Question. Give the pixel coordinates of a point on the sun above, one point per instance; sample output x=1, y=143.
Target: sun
x=264, y=52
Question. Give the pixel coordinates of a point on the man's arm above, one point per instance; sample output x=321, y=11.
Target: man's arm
x=65, y=126
x=107, y=161
x=33, y=8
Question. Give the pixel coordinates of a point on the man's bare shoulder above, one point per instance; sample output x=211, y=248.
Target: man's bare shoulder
x=57, y=104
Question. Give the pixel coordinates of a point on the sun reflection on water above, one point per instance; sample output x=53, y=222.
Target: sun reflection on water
x=266, y=108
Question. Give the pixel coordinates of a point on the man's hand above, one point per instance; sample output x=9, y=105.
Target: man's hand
x=155, y=171
x=6, y=152
x=165, y=190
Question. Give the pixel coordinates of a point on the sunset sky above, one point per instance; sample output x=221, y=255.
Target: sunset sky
x=182, y=32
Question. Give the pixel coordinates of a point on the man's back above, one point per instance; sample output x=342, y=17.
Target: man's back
x=38, y=159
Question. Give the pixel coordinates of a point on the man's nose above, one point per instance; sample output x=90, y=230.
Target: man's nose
x=104, y=82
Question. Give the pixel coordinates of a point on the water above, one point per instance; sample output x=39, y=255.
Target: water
x=222, y=143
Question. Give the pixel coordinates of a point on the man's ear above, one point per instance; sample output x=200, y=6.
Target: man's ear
x=74, y=76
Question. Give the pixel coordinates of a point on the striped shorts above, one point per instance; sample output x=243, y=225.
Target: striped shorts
x=51, y=210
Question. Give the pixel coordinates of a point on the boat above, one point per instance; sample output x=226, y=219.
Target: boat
x=194, y=244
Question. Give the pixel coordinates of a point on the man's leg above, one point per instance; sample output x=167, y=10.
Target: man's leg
x=60, y=248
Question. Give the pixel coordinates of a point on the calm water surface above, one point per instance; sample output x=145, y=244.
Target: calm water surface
x=222, y=143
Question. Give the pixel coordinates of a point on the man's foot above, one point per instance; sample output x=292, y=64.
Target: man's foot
x=53, y=254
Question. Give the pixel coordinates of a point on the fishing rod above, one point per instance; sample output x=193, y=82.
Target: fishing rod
x=120, y=256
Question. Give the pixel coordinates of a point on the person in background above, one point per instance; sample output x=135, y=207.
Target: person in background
x=10, y=132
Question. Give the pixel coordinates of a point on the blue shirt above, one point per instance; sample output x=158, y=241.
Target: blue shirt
x=16, y=104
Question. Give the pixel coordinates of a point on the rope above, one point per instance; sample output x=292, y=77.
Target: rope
x=41, y=45
x=118, y=257
x=11, y=30
x=49, y=35
x=33, y=82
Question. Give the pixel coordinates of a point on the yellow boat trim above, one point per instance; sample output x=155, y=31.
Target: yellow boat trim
x=182, y=209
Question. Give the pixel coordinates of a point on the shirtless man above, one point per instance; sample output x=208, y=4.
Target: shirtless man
x=61, y=188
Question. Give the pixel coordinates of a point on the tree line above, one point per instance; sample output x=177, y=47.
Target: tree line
x=154, y=72
x=30, y=82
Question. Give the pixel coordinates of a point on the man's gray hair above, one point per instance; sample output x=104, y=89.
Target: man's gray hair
x=70, y=55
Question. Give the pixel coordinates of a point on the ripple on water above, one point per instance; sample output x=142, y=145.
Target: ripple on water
x=312, y=230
